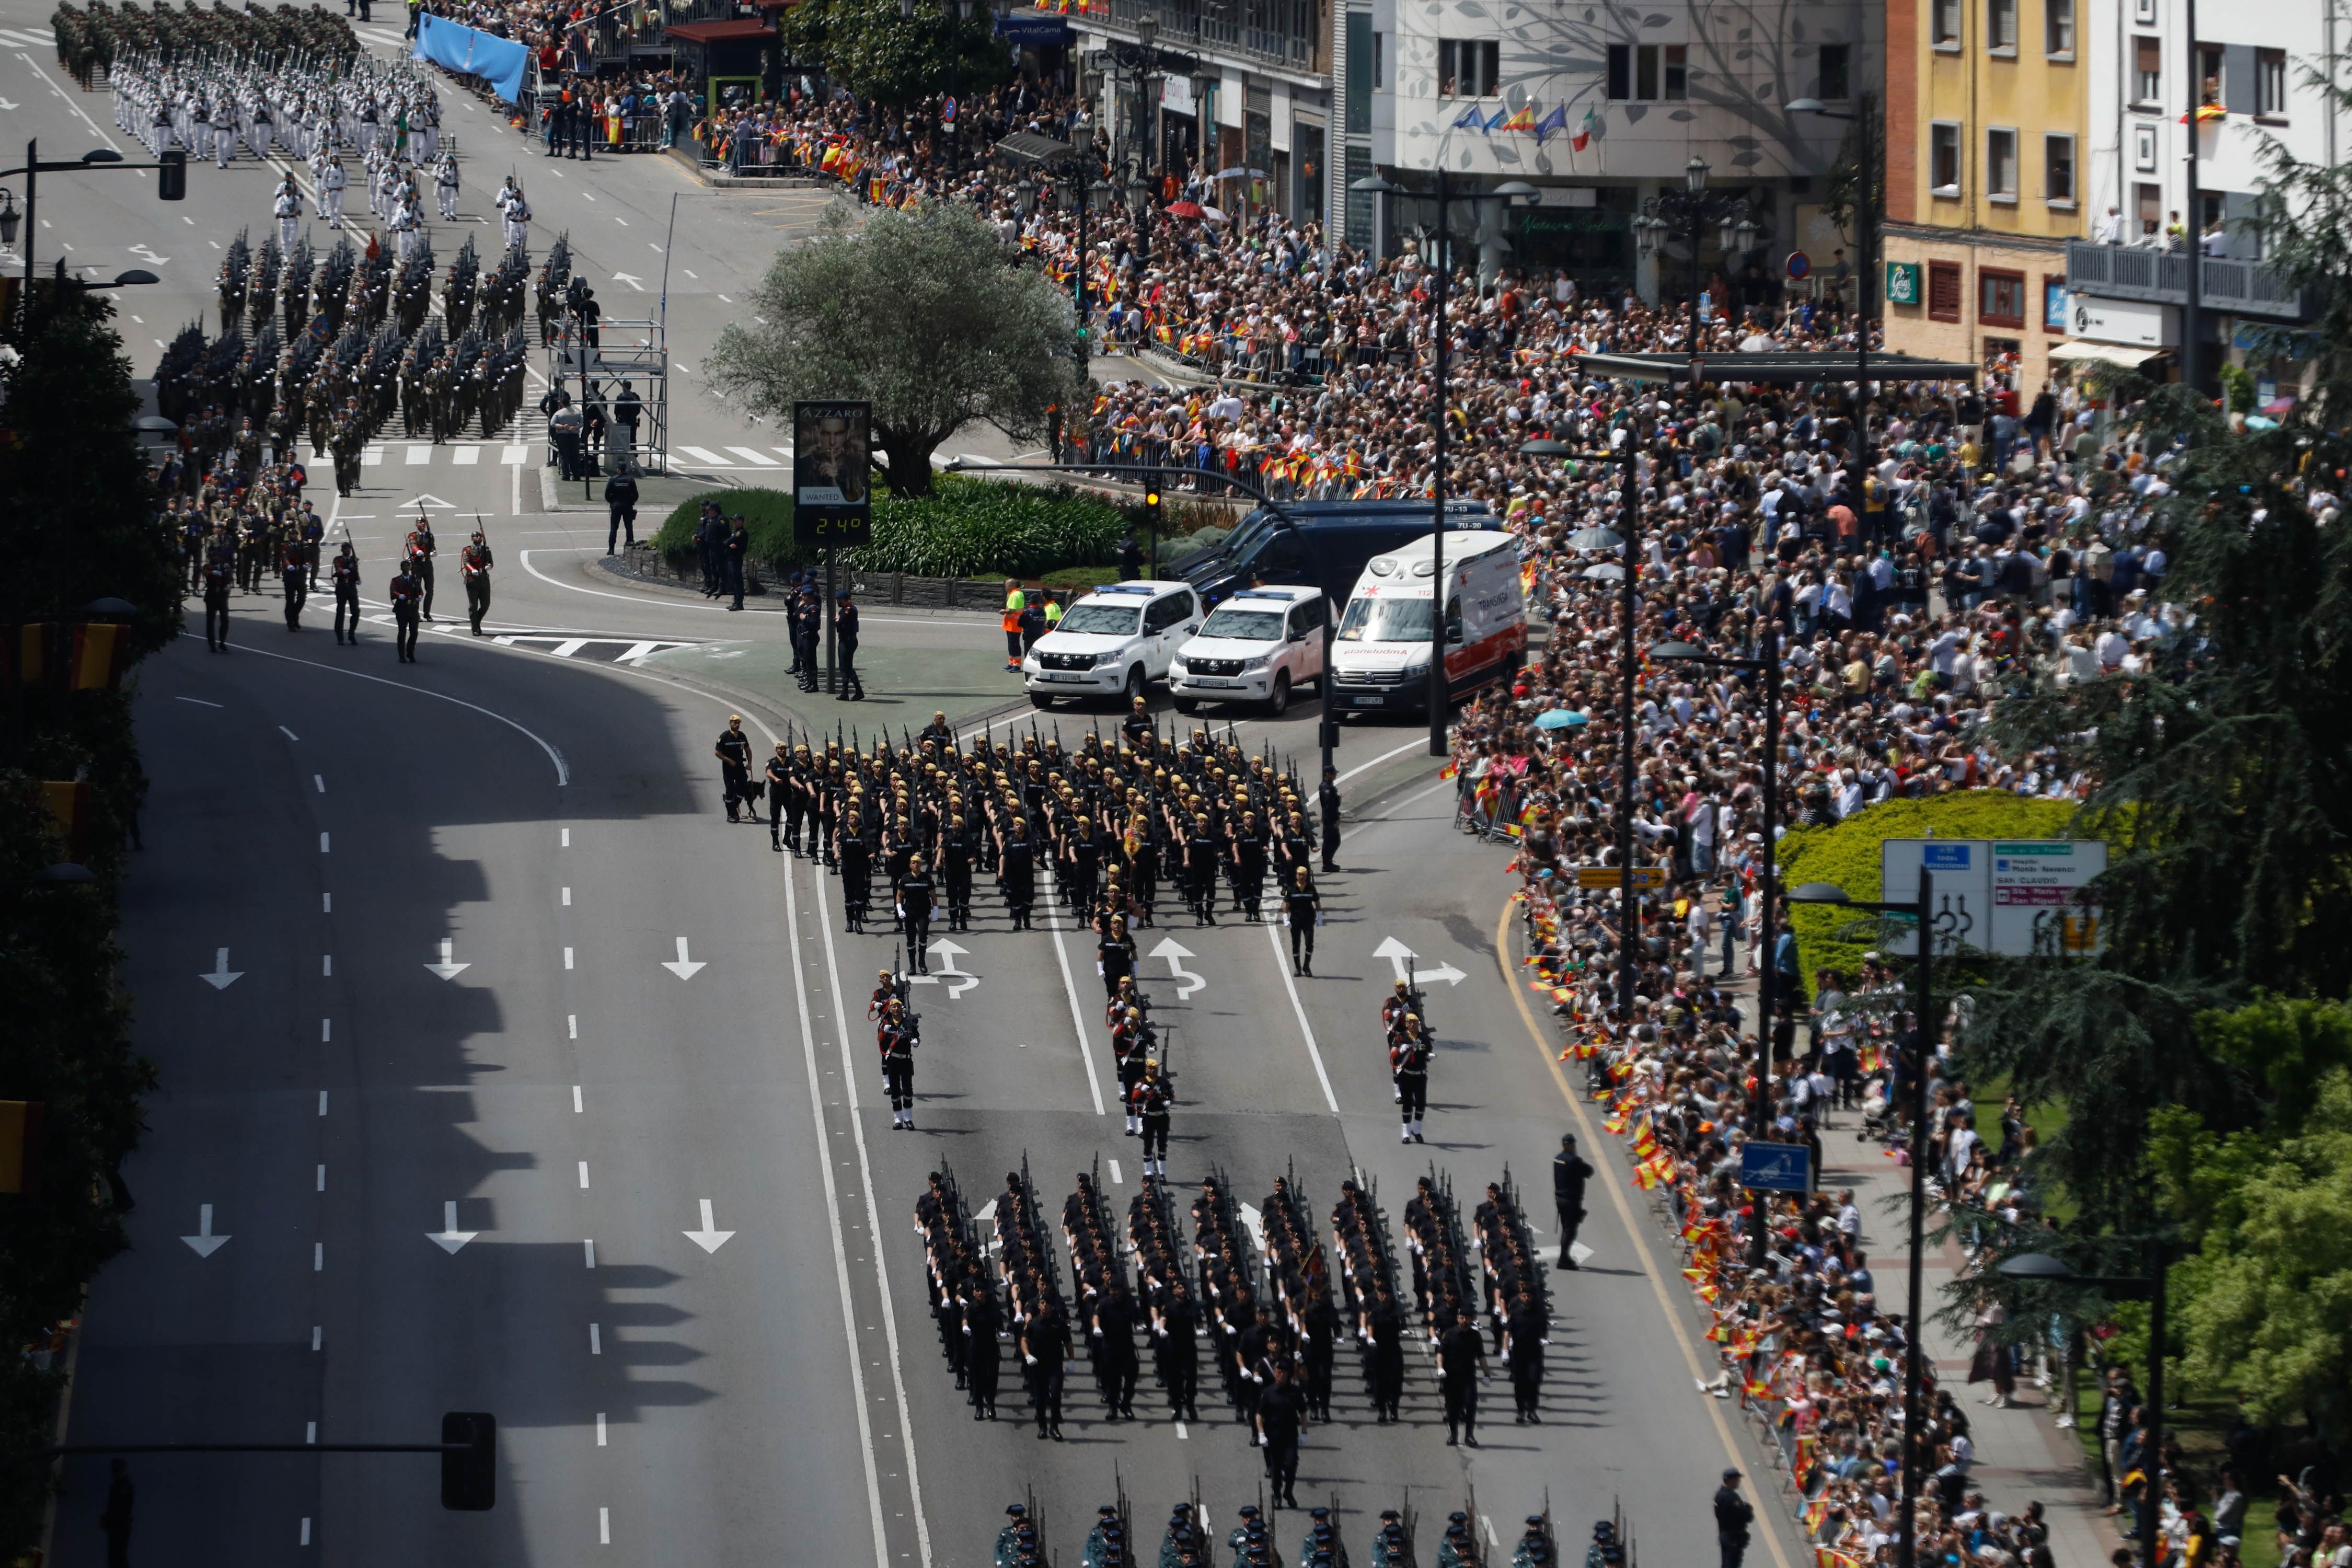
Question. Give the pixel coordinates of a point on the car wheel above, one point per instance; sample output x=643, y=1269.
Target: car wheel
x=1137, y=685
x=1277, y=702
x=1187, y=706
x=1039, y=699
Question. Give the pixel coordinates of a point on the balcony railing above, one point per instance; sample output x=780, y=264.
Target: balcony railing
x=2247, y=287
x=1285, y=33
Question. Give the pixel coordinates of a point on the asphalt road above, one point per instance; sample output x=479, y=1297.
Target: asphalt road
x=436, y=1187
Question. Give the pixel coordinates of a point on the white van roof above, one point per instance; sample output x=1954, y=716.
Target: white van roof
x=1461, y=549
x=1136, y=588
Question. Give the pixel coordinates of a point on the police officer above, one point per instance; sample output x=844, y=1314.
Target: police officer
x=346, y=575
x=621, y=496
x=1733, y=1513
x=734, y=753
x=844, y=642
x=406, y=594
x=810, y=630
x=474, y=563
x=915, y=894
x=739, y=550
x=1568, y=1174
x=896, y=1038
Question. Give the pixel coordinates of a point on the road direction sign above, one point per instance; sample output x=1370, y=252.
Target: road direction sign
x=1646, y=877
x=1776, y=1167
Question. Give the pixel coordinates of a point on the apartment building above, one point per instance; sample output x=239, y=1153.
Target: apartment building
x=1988, y=139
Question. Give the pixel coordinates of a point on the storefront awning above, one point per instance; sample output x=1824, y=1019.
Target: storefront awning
x=728, y=31
x=2129, y=357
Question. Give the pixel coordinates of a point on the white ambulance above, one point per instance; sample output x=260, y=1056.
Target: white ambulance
x=1379, y=660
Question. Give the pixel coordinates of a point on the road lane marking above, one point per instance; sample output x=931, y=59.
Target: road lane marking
x=567, y=839
x=1376, y=761
x=320, y=780
x=1281, y=963
x=832, y=1200
x=326, y=903
x=1070, y=989
x=317, y=1258
x=282, y=728
x=326, y=964
x=322, y=1102
x=604, y=1527
x=567, y=958
x=577, y=1109
x=600, y=1428
x=197, y=700
x=567, y=898
x=571, y=1025
x=583, y=1175
x=323, y=1178
x=323, y=844
x=317, y=1334
x=326, y=1030
x=1590, y=1137
x=589, y=1247
x=595, y=1340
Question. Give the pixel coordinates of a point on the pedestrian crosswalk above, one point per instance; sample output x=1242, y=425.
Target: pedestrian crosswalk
x=592, y=649
x=460, y=454
x=743, y=458
x=25, y=39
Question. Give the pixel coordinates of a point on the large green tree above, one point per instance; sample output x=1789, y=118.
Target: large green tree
x=898, y=60
x=925, y=313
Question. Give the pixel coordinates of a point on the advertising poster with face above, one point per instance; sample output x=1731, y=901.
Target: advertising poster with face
x=832, y=456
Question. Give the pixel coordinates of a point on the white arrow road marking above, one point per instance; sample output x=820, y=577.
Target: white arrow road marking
x=148, y=256
x=446, y=969
x=204, y=1242
x=958, y=981
x=985, y=1219
x=1254, y=1222
x=1176, y=953
x=685, y=968
x=223, y=976
x=709, y=1239
x=1396, y=952
x=624, y=277
x=450, y=1238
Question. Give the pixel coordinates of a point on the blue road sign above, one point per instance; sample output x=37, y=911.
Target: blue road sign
x=1776, y=1167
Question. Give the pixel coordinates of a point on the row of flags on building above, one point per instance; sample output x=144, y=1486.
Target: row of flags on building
x=1524, y=118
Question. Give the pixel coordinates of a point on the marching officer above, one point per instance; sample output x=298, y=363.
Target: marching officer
x=218, y=576
x=957, y=856
x=734, y=753
x=344, y=443
x=474, y=563
x=405, y=592
x=346, y=575
x=1409, y=1060
x=1302, y=906
x=897, y=1039
x=421, y=550
x=1462, y=1361
x=781, y=787
x=916, y=893
x=1568, y=1174
x=1150, y=1101
x=292, y=573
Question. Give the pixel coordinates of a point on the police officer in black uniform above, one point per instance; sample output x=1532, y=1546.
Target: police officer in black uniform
x=1461, y=1361
x=781, y=788
x=1568, y=1174
x=1326, y=795
x=957, y=856
x=621, y=496
x=734, y=753
x=916, y=893
x=896, y=1037
x=844, y=641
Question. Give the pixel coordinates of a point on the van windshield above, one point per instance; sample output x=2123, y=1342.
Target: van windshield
x=1384, y=620
x=1111, y=620
x=1245, y=626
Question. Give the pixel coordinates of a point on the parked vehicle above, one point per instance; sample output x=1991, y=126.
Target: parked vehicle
x=1379, y=657
x=1258, y=647
x=1115, y=641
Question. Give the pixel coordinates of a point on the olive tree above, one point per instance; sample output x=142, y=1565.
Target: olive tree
x=925, y=313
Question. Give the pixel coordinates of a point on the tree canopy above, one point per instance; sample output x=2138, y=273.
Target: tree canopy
x=898, y=60
x=922, y=313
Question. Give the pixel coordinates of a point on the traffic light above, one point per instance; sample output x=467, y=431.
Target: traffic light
x=172, y=179
x=1151, y=502
x=470, y=1476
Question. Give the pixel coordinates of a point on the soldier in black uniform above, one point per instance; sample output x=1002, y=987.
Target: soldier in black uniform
x=1281, y=1417
x=346, y=595
x=292, y=572
x=1115, y=954
x=782, y=796
x=956, y=855
x=1150, y=1100
x=1462, y=1360
x=1302, y=906
x=916, y=892
x=474, y=563
x=1523, y=1344
x=800, y=802
x=421, y=549
x=1200, y=872
x=844, y=642
x=405, y=590
x=1568, y=1174
x=1326, y=795
x=734, y=753
x=344, y=442
x=1016, y=873
x=856, y=857
x=218, y=576
x=896, y=1039
x=1409, y=1060
x=1175, y=1353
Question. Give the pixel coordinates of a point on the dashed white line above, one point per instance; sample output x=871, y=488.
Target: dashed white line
x=322, y=1102
x=306, y=1530
x=600, y=1428
x=317, y=1258
x=326, y=903
x=571, y=1024
x=323, y=1178
x=604, y=1527
x=326, y=1030
x=567, y=839
x=583, y=1175
x=595, y=1340
x=589, y=1247
x=567, y=892
x=290, y=735
x=577, y=1109
x=197, y=700
x=317, y=1335
x=323, y=844
x=327, y=965
x=320, y=780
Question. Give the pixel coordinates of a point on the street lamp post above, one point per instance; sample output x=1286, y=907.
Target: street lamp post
x=1694, y=208
x=1440, y=702
x=2043, y=1269
x=1766, y=664
x=1865, y=228
x=1919, y=909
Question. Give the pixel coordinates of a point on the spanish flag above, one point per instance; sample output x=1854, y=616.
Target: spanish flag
x=2206, y=112
x=1524, y=119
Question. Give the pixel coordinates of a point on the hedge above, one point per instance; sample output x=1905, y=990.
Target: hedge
x=1847, y=856
x=970, y=528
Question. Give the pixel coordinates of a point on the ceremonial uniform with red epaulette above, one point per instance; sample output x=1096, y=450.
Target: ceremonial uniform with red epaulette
x=1409, y=1061
x=474, y=563
x=1127, y=1044
x=1149, y=1103
x=896, y=1039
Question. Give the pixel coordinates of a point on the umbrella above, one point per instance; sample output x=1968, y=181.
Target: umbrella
x=1594, y=539
x=1184, y=209
x=1213, y=214
x=2279, y=405
x=1560, y=719
x=1608, y=570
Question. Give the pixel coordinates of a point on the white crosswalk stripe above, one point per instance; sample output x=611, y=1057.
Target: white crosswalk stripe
x=462, y=455
x=26, y=40
x=756, y=457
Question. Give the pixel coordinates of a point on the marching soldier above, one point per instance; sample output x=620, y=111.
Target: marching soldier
x=734, y=753
x=218, y=578
x=287, y=207
x=1302, y=907
x=781, y=799
x=343, y=440
x=896, y=1039
x=406, y=593
x=956, y=859
x=421, y=550
x=1462, y=1361
x=293, y=571
x=445, y=181
x=347, y=595
x=474, y=563
x=1409, y=1061
x=915, y=903
x=1150, y=1101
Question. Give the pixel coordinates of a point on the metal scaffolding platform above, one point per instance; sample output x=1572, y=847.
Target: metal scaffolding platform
x=631, y=351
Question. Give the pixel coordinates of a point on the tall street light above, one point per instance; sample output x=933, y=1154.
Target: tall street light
x=1440, y=699
x=1629, y=901
x=1923, y=1050
x=1865, y=231
x=1736, y=233
x=1766, y=664
x=2041, y=1268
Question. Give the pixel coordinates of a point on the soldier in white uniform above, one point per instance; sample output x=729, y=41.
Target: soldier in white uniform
x=224, y=118
x=288, y=206
x=331, y=182
x=447, y=184
x=518, y=215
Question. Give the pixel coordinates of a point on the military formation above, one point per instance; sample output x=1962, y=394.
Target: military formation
x=1252, y=1542
x=92, y=40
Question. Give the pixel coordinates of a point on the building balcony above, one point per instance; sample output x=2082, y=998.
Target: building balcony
x=1284, y=33
x=2241, y=288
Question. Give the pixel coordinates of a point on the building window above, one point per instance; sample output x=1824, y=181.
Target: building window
x=1944, y=158
x=2148, y=71
x=2000, y=165
x=1837, y=73
x=2001, y=298
x=2058, y=169
x=1945, y=25
x=1380, y=62
x=2147, y=208
x=1646, y=72
x=2269, y=83
x=2058, y=28
x=1943, y=291
x=1467, y=67
x=2000, y=25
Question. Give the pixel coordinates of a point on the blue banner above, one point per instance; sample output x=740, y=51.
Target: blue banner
x=501, y=62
